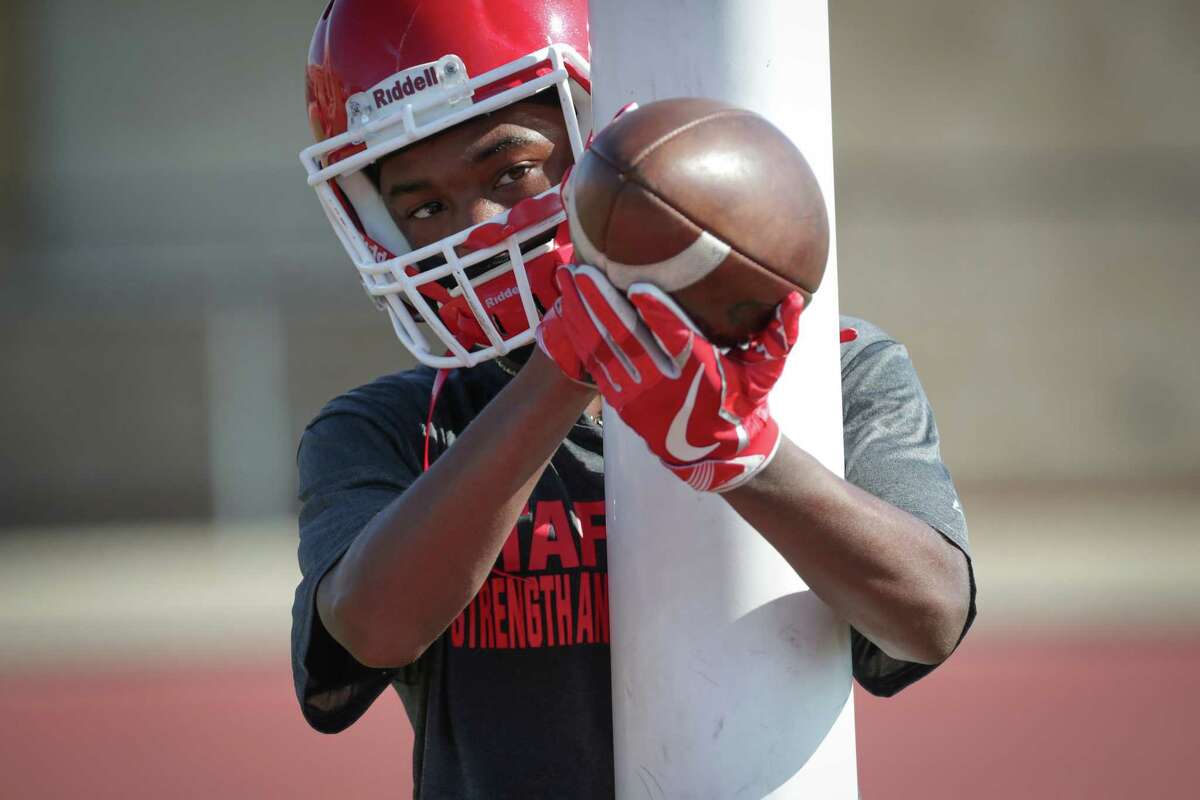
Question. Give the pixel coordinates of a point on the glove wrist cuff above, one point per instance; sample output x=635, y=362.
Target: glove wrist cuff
x=752, y=471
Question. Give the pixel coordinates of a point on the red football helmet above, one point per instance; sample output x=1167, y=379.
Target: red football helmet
x=383, y=74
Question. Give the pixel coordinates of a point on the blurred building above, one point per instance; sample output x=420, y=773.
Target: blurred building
x=1018, y=191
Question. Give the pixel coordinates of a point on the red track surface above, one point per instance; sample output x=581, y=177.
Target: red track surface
x=1004, y=719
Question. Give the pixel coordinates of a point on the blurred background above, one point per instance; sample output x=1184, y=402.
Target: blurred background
x=1018, y=199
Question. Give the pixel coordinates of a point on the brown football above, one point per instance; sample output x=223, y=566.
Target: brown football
x=707, y=201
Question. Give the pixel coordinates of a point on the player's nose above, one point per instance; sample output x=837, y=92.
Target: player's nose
x=478, y=210
x=471, y=214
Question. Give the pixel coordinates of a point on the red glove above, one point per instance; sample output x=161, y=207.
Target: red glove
x=551, y=333
x=552, y=338
x=702, y=410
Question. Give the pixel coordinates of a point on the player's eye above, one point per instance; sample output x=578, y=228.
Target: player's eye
x=426, y=210
x=514, y=174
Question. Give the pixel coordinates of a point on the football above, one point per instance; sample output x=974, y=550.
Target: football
x=709, y=202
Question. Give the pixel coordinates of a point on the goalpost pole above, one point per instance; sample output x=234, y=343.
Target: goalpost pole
x=730, y=678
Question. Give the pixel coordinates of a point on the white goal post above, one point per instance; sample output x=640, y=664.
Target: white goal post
x=730, y=678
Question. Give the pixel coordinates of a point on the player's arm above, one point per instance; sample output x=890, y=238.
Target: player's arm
x=703, y=412
x=894, y=578
x=419, y=562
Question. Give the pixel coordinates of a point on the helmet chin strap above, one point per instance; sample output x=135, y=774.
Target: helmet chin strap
x=439, y=381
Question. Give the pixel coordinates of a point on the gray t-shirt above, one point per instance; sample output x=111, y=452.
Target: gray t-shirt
x=513, y=700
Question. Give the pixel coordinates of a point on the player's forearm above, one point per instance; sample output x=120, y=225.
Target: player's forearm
x=881, y=569
x=423, y=558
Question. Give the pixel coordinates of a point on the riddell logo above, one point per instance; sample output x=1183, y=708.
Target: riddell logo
x=500, y=297
x=406, y=88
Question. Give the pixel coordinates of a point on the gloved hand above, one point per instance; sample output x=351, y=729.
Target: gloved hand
x=552, y=338
x=551, y=333
x=701, y=410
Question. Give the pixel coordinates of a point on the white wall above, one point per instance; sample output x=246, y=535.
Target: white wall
x=1018, y=187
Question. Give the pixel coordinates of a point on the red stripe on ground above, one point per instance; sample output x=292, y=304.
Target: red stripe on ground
x=186, y=733
x=1003, y=719
x=1013, y=719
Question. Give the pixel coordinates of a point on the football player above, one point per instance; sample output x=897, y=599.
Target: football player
x=452, y=531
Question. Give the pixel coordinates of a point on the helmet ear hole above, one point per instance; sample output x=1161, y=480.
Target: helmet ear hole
x=363, y=194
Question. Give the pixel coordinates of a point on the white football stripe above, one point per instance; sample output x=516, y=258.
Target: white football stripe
x=672, y=274
x=700, y=258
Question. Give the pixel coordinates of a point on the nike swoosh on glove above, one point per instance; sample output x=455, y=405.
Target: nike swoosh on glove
x=702, y=410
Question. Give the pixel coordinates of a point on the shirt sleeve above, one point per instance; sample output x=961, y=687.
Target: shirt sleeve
x=892, y=451
x=350, y=469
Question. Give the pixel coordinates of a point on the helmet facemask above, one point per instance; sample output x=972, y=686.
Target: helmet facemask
x=485, y=302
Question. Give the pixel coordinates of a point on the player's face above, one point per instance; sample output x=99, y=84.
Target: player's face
x=474, y=171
